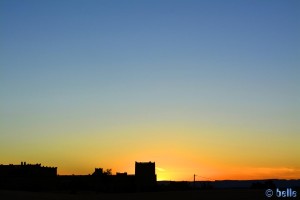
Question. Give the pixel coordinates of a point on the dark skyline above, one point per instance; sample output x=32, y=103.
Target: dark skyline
x=201, y=87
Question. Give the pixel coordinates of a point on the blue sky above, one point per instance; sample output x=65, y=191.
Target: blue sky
x=85, y=65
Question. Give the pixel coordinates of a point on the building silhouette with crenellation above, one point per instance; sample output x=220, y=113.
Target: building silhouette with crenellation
x=38, y=177
x=27, y=177
x=145, y=176
x=27, y=170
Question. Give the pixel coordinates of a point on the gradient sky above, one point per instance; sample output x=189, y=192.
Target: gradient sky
x=204, y=87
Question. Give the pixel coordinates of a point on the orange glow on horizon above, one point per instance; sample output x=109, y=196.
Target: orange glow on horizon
x=173, y=174
x=177, y=156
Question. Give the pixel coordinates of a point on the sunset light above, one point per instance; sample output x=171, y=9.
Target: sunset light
x=204, y=88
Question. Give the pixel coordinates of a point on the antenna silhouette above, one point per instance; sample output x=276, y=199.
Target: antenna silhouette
x=195, y=180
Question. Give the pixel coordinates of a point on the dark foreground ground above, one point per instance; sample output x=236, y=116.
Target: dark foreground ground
x=172, y=195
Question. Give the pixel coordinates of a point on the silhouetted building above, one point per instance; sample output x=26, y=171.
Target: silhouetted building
x=37, y=177
x=27, y=176
x=98, y=172
x=145, y=176
x=27, y=170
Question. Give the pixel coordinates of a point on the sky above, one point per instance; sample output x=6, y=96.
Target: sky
x=200, y=87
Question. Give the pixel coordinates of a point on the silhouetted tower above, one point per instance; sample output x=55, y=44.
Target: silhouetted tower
x=145, y=176
x=98, y=172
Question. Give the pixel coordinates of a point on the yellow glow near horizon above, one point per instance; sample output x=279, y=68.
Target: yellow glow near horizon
x=179, y=150
x=126, y=84
x=186, y=174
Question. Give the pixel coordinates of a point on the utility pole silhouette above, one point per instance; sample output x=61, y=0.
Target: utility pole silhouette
x=195, y=181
